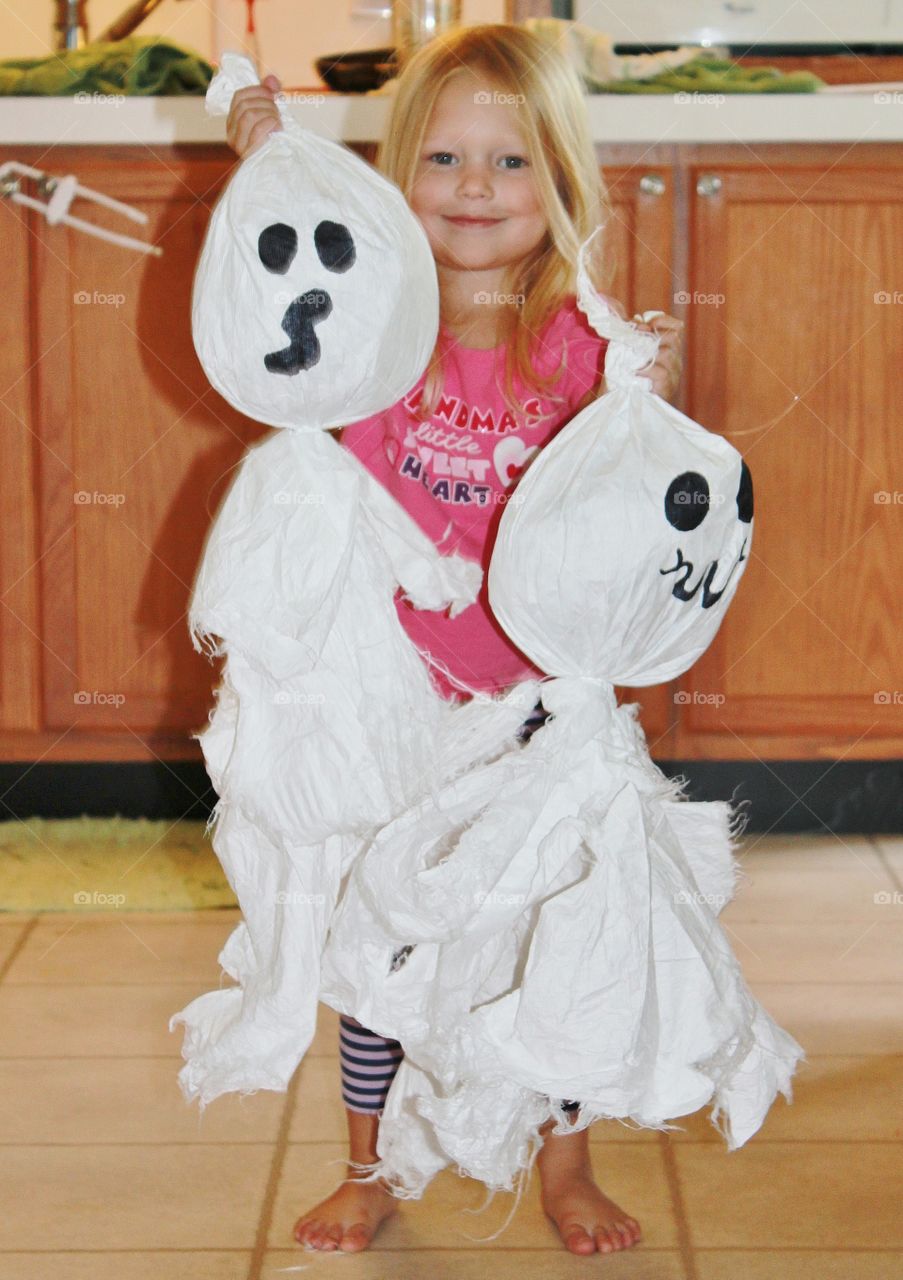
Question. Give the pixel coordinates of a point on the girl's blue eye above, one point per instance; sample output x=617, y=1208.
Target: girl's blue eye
x=520, y=161
x=438, y=154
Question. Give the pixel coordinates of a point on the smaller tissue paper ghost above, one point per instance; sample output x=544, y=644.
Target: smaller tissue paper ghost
x=315, y=304
x=561, y=902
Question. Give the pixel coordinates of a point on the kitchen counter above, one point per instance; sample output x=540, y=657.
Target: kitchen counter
x=833, y=116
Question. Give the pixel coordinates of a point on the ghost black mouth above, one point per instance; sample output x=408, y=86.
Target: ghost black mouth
x=303, y=351
x=681, y=591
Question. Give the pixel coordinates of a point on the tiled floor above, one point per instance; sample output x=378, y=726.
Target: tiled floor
x=106, y=1172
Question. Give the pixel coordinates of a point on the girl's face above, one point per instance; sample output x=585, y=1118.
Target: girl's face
x=474, y=190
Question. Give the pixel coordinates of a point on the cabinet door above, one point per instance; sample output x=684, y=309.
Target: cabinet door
x=638, y=244
x=20, y=648
x=796, y=301
x=135, y=450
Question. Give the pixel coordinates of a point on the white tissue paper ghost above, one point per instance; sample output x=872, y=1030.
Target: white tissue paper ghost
x=315, y=304
x=561, y=902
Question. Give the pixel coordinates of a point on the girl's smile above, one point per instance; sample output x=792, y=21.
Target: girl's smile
x=475, y=222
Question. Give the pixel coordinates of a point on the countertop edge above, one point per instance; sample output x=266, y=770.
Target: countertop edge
x=672, y=119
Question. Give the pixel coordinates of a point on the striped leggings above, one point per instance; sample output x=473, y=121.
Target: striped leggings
x=369, y=1061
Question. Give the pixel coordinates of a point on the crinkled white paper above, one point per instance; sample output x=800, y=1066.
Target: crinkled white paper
x=562, y=901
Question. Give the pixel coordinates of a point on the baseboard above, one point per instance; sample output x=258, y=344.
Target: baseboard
x=802, y=796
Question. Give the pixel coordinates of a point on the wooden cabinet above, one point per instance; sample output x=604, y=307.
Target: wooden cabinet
x=116, y=452
x=787, y=264
x=794, y=304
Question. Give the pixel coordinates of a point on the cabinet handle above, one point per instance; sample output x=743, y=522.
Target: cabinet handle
x=652, y=184
x=708, y=185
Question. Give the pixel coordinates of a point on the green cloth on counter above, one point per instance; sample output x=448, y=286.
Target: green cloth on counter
x=138, y=66
x=710, y=76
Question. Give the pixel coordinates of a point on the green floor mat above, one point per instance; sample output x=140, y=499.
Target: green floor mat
x=106, y=864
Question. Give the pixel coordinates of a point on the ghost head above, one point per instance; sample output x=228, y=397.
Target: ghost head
x=623, y=544
x=315, y=298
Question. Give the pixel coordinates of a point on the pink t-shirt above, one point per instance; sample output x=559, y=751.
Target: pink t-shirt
x=454, y=474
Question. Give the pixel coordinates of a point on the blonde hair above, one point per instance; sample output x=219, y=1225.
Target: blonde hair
x=562, y=156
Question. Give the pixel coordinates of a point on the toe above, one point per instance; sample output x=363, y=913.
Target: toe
x=304, y=1230
x=578, y=1240
x=622, y=1233
x=604, y=1242
x=630, y=1230
x=317, y=1238
x=356, y=1238
x=332, y=1237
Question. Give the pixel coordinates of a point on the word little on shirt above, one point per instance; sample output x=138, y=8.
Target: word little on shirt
x=459, y=468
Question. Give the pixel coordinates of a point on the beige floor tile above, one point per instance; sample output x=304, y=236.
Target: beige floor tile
x=806, y=878
x=632, y=1173
x=792, y=1195
x=128, y=1100
x=840, y=1099
x=739, y=1264
x=638, y=1263
x=122, y=949
x=138, y=1197
x=841, y=951
x=11, y=930
x=58, y=1020
x=844, y=1018
x=319, y=1114
x=892, y=849
x=159, y=1265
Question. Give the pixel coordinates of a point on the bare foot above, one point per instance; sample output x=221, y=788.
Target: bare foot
x=586, y=1219
x=348, y=1219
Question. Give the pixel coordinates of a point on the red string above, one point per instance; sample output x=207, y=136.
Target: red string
x=250, y=4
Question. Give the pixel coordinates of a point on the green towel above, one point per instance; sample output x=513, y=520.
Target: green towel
x=138, y=66
x=713, y=76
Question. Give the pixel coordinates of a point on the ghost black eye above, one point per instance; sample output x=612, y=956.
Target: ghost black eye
x=745, y=495
x=334, y=246
x=687, y=501
x=277, y=246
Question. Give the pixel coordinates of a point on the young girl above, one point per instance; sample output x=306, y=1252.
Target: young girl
x=489, y=142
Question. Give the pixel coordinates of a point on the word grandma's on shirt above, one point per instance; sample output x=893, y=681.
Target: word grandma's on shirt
x=455, y=471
